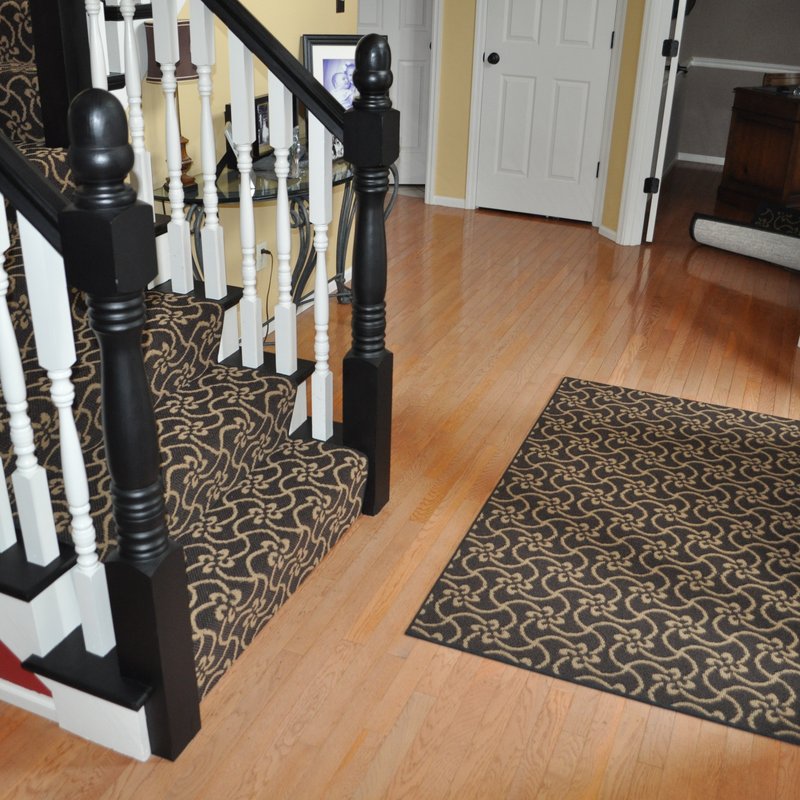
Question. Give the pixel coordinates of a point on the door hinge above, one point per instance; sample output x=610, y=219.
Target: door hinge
x=651, y=185
x=670, y=48
x=597, y=171
x=612, y=39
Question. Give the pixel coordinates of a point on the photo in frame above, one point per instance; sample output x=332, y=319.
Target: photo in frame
x=331, y=59
x=261, y=142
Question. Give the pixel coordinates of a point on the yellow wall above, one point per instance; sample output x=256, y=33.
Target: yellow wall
x=452, y=140
x=309, y=16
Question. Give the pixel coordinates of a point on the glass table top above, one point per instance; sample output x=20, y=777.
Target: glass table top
x=263, y=183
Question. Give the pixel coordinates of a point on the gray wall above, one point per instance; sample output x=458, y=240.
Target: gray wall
x=737, y=30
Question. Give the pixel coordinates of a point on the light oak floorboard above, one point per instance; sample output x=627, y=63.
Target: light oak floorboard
x=487, y=313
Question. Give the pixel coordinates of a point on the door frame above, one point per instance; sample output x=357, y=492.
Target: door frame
x=644, y=123
x=433, y=98
x=471, y=194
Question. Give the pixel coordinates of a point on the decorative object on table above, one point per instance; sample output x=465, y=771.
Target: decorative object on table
x=184, y=71
x=261, y=146
x=643, y=545
x=772, y=236
x=331, y=58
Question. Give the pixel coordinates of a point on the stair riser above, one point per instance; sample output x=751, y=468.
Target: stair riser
x=101, y=722
x=36, y=627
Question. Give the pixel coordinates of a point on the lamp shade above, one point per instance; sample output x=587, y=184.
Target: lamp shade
x=184, y=69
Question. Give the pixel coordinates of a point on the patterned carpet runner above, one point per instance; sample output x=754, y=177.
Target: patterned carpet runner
x=643, y=545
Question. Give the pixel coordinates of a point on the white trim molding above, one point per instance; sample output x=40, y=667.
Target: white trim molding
x=471, y=193
x=448, y=202
x=27, y=699
x=698, y=62
x=698, y=158
x=644, y=121
x=608, y=120
x=433, y=93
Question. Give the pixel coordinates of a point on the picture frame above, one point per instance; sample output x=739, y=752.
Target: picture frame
x=331, y=59
x=261, y=145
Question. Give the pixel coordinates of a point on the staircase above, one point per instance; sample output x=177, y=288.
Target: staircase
x=160, y=511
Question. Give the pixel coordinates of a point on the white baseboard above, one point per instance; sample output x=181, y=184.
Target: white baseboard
x=608, y=233
x=448, y=202
x=27, y=699
x=697, y=158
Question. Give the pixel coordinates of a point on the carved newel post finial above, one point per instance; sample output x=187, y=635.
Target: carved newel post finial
x=100, y=155
x=373, y=75
x=371, y=145
x=108, y=244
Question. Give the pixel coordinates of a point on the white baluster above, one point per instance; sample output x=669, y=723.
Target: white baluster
x=203, y=57
x=10, y=368
x=142, y=173
x=97, y=51
x=243, y=126
x=280, y=132
x=55, y=348
x=89, y=576
x=320, y=204
x=165, y=39
x=29, y=479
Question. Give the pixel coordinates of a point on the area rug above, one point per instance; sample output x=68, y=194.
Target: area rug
x=643, y=545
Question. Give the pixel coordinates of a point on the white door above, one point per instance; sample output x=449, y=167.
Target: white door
x=407, y=24
x=545, y=75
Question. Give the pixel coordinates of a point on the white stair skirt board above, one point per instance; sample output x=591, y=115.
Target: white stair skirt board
x=27, y=699
x=35, y=628
x=100, y=721
x=747, y=240
x=229, y=341
x=300, y=412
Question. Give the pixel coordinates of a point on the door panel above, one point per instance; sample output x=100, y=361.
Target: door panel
x=514, y=127
x=539, y=146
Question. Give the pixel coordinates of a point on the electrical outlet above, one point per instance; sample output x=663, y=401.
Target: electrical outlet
x=261, y=257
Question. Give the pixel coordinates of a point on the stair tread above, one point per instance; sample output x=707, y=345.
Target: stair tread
x=233, y=296
x=70, y=664
x=305, y=368
x=25, y=581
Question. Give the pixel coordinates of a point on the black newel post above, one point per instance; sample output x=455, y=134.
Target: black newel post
x=109, y=252
x=371, y=145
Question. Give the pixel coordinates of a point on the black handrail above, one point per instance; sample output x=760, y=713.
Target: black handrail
x=30, y=192
x=286, y=68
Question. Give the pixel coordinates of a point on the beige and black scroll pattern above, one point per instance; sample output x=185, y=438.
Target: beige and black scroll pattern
x=16, y=32
x=646, y=546
x=20, y=106
x=254, y=510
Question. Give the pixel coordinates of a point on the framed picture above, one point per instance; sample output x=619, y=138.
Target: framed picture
x=260, y=135
x=331, y=59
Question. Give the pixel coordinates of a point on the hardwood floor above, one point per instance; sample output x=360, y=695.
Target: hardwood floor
x=488, y=311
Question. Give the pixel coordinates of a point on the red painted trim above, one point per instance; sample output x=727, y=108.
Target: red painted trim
x=11, y=670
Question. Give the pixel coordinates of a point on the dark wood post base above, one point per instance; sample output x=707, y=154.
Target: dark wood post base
x=156, y=647
x=367, y=427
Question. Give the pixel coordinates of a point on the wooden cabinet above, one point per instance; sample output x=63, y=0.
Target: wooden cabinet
x=762, y=160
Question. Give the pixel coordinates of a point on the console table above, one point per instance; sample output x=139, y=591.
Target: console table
x=762, y=160
x=264, y=187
